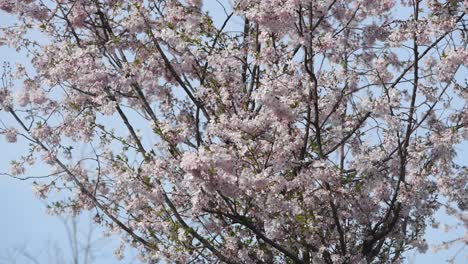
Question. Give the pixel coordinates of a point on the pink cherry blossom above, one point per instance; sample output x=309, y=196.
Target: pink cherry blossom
x=276, y=131
x=10, y=134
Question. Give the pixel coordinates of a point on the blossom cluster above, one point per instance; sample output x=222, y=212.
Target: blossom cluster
x=283, y=131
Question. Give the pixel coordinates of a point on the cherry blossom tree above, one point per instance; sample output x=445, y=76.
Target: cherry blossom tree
x=274, y=131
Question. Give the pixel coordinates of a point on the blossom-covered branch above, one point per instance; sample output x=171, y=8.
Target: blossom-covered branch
x=280, y=131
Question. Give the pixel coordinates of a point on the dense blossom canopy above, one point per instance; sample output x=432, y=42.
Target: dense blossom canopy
x=251, y=131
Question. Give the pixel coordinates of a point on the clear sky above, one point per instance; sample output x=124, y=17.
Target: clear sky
x=24, y=222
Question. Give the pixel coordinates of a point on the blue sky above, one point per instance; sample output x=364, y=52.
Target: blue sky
x=25, y=223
